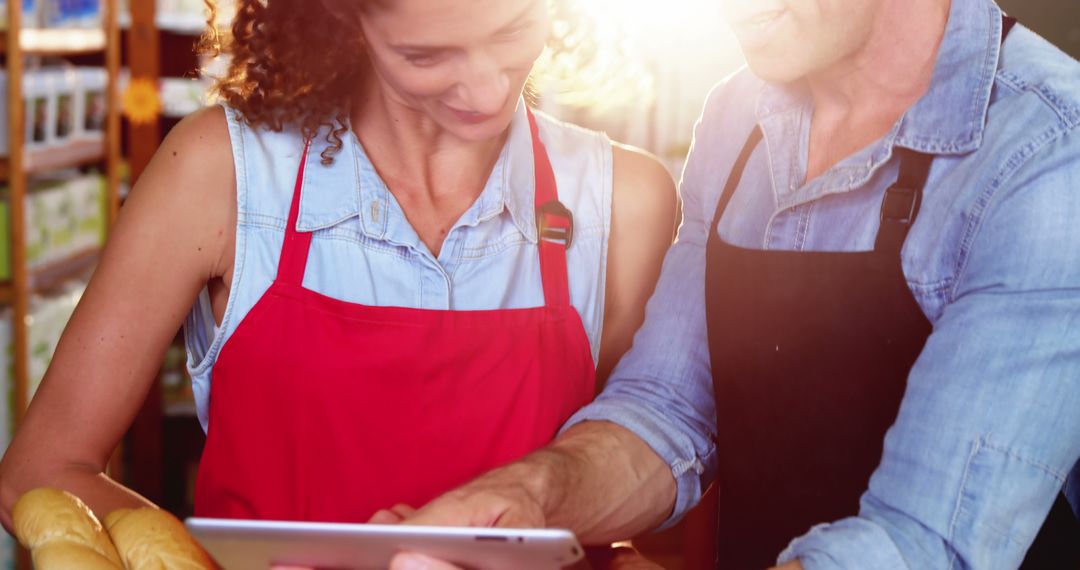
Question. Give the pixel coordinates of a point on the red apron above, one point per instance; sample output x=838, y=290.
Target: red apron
x=323, y=410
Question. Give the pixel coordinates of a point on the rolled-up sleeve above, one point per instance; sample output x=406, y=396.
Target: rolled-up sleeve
x=662, y=388
x=989, y=429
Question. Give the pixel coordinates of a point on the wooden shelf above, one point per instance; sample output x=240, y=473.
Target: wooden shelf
x=174, y=23
x=60, y=41
x=48, y=276
x=16, y=43
x=75, y=153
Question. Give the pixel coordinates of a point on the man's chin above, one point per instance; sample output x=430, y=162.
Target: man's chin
x=776, y=69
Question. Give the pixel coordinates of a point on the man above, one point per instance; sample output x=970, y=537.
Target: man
x=878, y=278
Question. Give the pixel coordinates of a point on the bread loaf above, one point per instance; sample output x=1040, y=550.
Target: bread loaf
x=61, y=532
x=152, y=539
x=66, y=555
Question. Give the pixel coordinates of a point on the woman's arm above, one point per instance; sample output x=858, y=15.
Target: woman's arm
x=644, y=207
x=175, y=234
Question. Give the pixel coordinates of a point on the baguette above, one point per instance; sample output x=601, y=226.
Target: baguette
x=153, y=539
x=61, y=532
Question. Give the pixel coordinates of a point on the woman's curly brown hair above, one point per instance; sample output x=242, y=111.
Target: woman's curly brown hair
x=280, y=73
x=294, y=62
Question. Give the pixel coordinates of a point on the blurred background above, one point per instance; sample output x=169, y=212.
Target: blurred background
x=90, y=87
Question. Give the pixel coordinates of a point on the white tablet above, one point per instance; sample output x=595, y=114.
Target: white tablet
x=255, y=545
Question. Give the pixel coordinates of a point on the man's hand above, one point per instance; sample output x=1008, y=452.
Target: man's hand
x=411, y=561
x=394, y=515
x=617, y=558
x=507, y=497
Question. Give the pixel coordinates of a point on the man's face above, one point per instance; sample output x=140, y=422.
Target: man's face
x=786, y=40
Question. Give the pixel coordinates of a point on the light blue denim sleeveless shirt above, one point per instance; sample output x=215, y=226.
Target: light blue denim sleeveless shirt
x=364, y=250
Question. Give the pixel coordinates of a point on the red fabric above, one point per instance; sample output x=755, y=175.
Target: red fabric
x=323, y=410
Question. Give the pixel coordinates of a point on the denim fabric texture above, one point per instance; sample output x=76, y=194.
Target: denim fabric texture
x=989, y=429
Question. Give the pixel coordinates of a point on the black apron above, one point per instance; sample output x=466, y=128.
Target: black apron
x=811, y=353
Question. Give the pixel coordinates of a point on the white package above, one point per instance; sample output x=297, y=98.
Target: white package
x=64, y=83
x=91, y=102
x=40, y=102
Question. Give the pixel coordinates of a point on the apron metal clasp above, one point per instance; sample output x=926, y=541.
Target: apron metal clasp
x=550, y=232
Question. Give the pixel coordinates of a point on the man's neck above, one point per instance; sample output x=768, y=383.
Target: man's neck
x=860, y=98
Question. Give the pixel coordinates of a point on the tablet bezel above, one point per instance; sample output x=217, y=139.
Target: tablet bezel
x=255, y=545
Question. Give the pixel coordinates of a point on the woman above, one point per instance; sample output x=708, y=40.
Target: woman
x=392, y=292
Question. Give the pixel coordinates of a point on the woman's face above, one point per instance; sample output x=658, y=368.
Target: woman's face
x=462, y=63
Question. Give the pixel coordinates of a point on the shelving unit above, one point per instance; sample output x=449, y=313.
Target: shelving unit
x=16, y=44
x=61, y=41
x=20, y=164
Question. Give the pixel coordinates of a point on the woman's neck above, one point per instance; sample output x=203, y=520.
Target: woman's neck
x=434, y=176
x=406, y=145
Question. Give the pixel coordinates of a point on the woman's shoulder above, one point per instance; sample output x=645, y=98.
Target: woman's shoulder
x=563, y=139
x=641, y=186
x=632, y=168
x=643, y=190
x=641, y=174
x=560, y=128
x=199, y=147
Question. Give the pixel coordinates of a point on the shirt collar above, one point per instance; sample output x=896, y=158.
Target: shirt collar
x=951, y=117
x=520, y=179
x=329, y=193
x=350, y=186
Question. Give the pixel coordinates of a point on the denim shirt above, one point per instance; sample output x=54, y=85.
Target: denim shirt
x=989, y=429
x=365, y=251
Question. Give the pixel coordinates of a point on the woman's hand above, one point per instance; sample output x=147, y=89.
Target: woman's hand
x=394, y=515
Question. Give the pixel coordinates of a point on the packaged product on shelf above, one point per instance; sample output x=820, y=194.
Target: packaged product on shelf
x=62, y=104
x=88, y=211
x=64, y=216
x=71, y=13
x=30, y=14
x=65, y=84
x=90, y=102
x=45, y=323
x=181, y=97
x=184, y=16
x=40, y=100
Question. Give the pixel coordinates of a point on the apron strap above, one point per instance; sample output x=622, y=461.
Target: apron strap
x=733, y=180
x=554, y=224
x=1007, y=23
x=294, y=250
x=900, y=206
x=555, y=229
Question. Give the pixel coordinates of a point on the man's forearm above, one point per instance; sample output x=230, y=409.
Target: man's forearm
x=601, y=481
